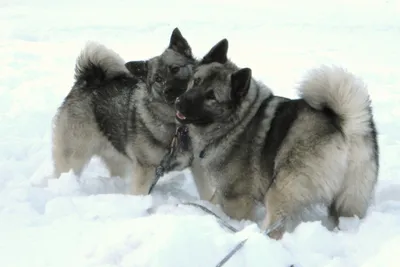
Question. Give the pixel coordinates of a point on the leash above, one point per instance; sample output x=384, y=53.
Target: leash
x=219, y=219
x=232, y=229
x=180, y=142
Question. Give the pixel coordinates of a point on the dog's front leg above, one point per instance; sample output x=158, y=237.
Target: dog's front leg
x=142, y=179
x=238, y=207
x=203, y=185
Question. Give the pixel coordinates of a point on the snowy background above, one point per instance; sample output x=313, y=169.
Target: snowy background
x=92, y=223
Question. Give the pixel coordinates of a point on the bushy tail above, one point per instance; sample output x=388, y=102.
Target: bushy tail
x=96, y=63
x=342, y=92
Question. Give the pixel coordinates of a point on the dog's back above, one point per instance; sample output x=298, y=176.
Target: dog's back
x=84, y=125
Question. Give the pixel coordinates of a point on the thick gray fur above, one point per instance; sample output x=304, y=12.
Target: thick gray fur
x=121, y=112
x=289, y=154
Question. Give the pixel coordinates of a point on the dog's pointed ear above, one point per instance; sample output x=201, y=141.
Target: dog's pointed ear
x=138, y=68
x=240, y=83
x=218, y=53
x=179, y=44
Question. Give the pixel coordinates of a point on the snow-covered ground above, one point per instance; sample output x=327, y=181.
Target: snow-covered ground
x=92, y=222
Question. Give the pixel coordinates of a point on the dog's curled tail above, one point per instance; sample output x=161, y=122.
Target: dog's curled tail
x=96, y=63
x=342, y=92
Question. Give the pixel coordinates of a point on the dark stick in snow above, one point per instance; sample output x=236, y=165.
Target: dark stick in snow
x=219, y=219
x=241, y=244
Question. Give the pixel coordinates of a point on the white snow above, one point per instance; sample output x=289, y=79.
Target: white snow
x=92, y=222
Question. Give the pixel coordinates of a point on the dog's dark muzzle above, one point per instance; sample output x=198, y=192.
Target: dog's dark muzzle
x=171, y=93
x=189, y=109
x=175, y=89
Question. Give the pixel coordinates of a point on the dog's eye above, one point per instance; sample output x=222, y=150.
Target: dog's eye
x=158, y=78
x=174, y=69
x=196, y=81
x=210, y=95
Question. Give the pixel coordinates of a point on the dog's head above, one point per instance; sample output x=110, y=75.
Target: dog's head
x=215, y=90
x=168, y=74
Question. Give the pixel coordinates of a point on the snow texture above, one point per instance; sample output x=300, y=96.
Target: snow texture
x=91, y=222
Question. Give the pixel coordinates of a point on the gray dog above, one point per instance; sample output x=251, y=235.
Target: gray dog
x=288, y=154
x=122, y=112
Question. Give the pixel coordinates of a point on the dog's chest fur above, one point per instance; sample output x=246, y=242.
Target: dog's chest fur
x=151, y=131
x=241, y=162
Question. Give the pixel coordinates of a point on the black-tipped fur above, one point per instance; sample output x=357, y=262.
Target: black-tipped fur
x=218, y=53
x=240, y=83
x=97, y=64
x=179, y=43
x=138, y=68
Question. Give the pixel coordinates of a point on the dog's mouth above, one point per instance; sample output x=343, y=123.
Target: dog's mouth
x=180, y=116
x=191, y=114
x=186, y=120
x=191, y=120
x=172, y=94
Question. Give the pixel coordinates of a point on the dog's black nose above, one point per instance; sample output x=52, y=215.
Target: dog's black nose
x=172, y=91
x=168, y=90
